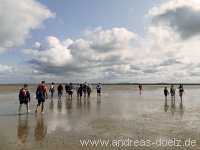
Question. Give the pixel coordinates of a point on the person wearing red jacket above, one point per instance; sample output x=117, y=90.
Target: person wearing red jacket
x=41, y=95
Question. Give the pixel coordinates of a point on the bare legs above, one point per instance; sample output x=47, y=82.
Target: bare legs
x=20, y=106
x=42, y=107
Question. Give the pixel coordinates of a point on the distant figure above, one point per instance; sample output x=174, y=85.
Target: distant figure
x=80, y=91
x=41, y=95
x=181, y=91
x=89, y=90
x=67, y=88
x=52, y=89
x=24, y=98
x=140, y=88
x=98, y=88
x=70, y=92
x=172, y=92
x=166, y=92
x=85, y=89
x=77, y=87
x=60, y=91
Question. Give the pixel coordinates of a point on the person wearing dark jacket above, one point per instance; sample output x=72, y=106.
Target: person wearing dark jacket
x=41, y=95
x=24, y=97
x=60, y=90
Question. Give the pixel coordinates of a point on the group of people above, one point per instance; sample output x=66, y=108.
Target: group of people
x=84, y=89
x=60, y=89
x=172, y=92
x=81, y=90
x=42, y=93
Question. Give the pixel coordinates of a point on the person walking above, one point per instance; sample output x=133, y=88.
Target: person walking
x=52, y=90
x=181, y=91
x=70, y=92
x=166, y=93
x=60, y=91
x=98, y=88
x=172, y=92
x=24, y=98
x=80, y=92
x=89, y=90
x=41, y=95
x=140, y=88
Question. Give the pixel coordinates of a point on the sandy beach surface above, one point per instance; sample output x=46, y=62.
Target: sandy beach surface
x=119, y=114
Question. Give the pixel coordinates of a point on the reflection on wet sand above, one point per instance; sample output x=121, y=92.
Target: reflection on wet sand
x=22, y=129
x=59, y=106
x=173, y=108
x=51, y=105
x=68, y=103
x=181, y=109
x=79, y=103
x=87, y=104
x=40, y=129
x=166, y=106
x=114, y=113
x=98, y=103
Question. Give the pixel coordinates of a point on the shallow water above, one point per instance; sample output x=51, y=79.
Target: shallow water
x=120, y=113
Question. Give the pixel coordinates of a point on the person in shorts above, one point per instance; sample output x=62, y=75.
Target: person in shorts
x=41, y=95
x=98, y=88
x=24, y=98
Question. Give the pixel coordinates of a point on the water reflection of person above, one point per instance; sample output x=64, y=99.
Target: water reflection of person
x=181, y=109
x=68, y=103
x=59, y=105
x=22, y=129
x=173, y=107
x=84, y=101
x=40, y=129
x=98, y=103
x=166, y=107
x=51, y=105
x=166, y=93
x=79, y=103
x=87, y=104
x=181, y=91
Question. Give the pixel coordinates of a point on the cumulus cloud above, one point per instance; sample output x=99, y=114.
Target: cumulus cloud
x=175, y=29
x=107, y=40
x=96, y=51
x=124, y=58
x=55, y=54
x=18, y=18
x=183, y=16
x=168, y=52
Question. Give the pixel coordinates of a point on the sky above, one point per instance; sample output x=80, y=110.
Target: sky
x=99, y=41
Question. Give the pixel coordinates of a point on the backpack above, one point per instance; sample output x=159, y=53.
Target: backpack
x=40, y=93
x=22, y=94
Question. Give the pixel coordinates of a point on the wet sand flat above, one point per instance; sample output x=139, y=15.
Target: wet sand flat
x=120, y=113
